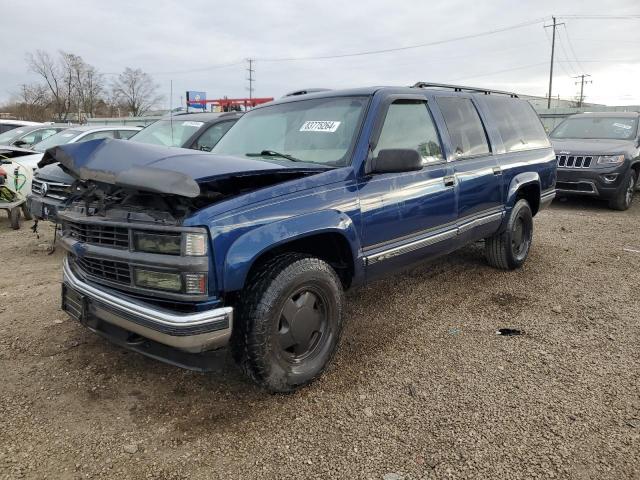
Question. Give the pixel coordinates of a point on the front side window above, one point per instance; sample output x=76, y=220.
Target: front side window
x=613, y=128
x=468, y=138
x=36, y=136
x=408, y=125
x=10, y=136
x=321, y=130
x=212, y=136
x=126, y=134
x=517, y=123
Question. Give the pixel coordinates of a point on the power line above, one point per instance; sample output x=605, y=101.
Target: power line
x=570, y=62
x=566, y=33
x=408, y=47
x=600, y=17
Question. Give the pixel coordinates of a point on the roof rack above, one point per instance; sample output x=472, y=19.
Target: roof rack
x=458, y=88
x=305, y=91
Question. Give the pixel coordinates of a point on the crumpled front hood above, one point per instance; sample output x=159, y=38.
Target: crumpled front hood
x=593, y=146
x=154, y=168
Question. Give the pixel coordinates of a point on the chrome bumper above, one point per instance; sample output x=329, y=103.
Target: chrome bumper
x=191, y=332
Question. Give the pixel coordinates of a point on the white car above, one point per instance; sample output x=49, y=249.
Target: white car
x=6, y=125
x=76, y=135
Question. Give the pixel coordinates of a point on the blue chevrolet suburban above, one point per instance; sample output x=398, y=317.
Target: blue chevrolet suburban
x=176, y=254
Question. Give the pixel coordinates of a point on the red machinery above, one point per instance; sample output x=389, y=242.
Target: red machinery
x=231, y=104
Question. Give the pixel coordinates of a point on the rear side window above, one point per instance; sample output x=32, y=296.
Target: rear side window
x=466, y=131
x=98, y=135
x=408, y=124
x=517, y=123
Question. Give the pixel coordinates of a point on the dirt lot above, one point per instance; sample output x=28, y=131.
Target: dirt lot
x=422, y=386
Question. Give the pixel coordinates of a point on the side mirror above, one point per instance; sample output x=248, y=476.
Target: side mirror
x=394, y=160
x=19, y=143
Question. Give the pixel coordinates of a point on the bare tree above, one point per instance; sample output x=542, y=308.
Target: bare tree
x=57, y=79
x=31, y=102
x=137, y=90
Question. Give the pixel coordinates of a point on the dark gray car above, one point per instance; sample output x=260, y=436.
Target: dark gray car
x=599, y=155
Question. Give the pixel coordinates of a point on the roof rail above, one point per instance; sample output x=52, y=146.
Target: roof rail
x=458, y=88
x=305, y=91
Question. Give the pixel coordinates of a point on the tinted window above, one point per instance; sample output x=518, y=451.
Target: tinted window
x=408, y=124
x=212, y=136
x=517, y=123
x=98, y=135
x=618, y=128
x=465, y=128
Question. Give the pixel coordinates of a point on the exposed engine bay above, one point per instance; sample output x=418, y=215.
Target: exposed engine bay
x=93, y=198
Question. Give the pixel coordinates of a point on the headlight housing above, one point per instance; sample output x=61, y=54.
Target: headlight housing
x=186, y=243
x=610, y=160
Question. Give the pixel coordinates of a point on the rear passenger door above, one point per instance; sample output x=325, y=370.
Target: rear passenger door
x=409, y=215
x=477, y=174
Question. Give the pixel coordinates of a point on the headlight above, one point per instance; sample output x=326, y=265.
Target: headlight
x=195, y=244
x=610, y=159
x=169, y=244
x=158, y=280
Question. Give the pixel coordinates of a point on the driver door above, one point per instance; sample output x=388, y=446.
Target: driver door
x=408, y=216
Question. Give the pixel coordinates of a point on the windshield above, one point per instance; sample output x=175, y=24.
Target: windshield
x=60, y=138
x=7, y=137
x=317, y=131
x=159, y=133
x=614, y=128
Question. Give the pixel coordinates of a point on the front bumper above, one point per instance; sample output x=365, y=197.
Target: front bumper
x=595, y=182
x=189, y=332
x=44, y=208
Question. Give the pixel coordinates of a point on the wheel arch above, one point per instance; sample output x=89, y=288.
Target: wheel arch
x=525, y=185
x=329, y=235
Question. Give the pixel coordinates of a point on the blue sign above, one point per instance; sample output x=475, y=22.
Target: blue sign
x=193, y=99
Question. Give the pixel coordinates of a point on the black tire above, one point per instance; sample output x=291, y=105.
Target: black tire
x=15, y=218
x=278, y=354
x=624, y=196
x=26, y=213
x=509, y=250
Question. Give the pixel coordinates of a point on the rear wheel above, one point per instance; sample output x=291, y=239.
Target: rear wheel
x=624, y=195
x=289, y=322
x=509, y=250
x=15, y=218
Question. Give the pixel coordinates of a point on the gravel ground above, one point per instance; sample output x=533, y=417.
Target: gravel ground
x=422, y=386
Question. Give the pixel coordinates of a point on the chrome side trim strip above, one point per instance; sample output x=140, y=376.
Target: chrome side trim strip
x=142, y=310
x=433, y=239
x=480, y=221
x=411, y=246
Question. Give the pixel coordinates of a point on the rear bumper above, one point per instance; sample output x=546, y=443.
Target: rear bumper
x=189, y=332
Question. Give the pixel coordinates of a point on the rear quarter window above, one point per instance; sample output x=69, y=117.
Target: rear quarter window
x=517, y=123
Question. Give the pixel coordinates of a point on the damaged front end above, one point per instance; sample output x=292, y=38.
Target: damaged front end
x=133, y=269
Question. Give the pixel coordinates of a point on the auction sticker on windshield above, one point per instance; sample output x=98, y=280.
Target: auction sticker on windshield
x=192, y=124
x=326, y=126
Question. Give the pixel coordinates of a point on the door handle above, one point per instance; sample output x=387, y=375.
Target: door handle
x=449, y=181
x=497, y=171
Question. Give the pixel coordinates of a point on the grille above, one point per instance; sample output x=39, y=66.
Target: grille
x=106, y=235
x=59, y=191
x=118, y=272
x=574, y=161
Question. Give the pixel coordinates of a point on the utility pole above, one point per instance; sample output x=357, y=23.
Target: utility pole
x=251, y=79
x=582, y=82
x=553, y=48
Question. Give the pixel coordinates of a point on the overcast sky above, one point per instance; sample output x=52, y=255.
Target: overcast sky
x=187, y=38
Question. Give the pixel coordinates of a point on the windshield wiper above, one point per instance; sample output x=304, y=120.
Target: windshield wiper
x=272, y=153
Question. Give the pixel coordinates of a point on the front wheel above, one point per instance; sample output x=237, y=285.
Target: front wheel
x=509, y=250
x=624, y=195
x=289, y=322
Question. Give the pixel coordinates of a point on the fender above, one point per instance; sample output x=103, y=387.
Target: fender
x=247, y=248
x=517, y=182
